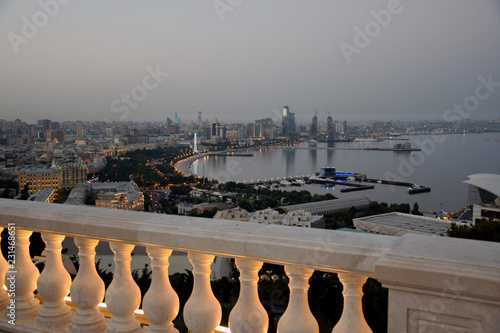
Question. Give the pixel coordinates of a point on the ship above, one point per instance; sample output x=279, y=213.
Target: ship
x=418, y=189
x=367, y=140
x=397, y=147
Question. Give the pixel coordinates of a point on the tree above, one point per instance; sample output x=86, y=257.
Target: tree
x=24, y=192
x=246, y=205
x=176, y=191
x=147, y=202
x=8, y=185
x=61, y=195
x=415, y=210
x=487, y=230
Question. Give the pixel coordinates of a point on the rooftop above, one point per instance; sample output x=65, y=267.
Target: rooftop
x=329, y=206
x=412, y=223
x=41, y=196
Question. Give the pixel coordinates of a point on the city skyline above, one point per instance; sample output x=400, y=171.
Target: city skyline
x=240, y=63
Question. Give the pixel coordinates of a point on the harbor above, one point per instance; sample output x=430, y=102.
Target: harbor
x=329, y=176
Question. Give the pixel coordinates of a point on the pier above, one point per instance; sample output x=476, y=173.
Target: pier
x=350, y=185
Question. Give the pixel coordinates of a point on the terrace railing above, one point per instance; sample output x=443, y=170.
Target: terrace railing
x=436, y=284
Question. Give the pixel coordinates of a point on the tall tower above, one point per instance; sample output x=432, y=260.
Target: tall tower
x=195, y=144
x=200, y=120
x=314, y=126
x=331, y=131
x=286, y=109
x=176, y=119
x=285, y=123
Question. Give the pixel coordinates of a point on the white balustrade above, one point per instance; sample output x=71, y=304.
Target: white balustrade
x=248, y=315
x=161, y=303
x=24, y=277
x=123, y=296
x=447, y=271
x=53, y=285
x=352, y=319
x=298, y=317
x=202, y=312
x=87, y=291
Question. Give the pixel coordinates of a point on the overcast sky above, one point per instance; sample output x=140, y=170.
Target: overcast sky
x=238, y=62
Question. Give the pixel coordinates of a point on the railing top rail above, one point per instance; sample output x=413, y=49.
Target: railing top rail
x=382, y=257
x=320, y=249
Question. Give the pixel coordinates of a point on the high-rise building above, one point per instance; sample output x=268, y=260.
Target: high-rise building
x=200, y=119
x=176, y=119
x=262, y=127
x=314, y=126
x=330, y=128
x=288, y=122
x=55, y=135
x=44, y=123
x=80, y=131
x=124, y=130
x=195, y=143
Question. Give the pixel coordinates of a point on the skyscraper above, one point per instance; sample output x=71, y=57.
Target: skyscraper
x=288, y=122
x=314, y=126
x=176, y=119
x=200, y=119
x=331, y=130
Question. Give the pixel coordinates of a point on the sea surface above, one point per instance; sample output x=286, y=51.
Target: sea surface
x=443, y=164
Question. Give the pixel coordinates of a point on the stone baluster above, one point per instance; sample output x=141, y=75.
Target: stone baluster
x=248, y=315
x=23, y=276
x=161, y=303
x=4, y=266
x=298, y=317
x=352, y=319
x=87, y=291
x=202, y=312
x=123, y=296
x=53, y=285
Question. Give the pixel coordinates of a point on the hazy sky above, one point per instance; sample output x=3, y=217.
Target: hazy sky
x=85, y=56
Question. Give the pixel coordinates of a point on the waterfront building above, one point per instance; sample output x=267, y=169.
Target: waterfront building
x=314, y=126
x=288, y=126
x=330, y=128
x=488, y=186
